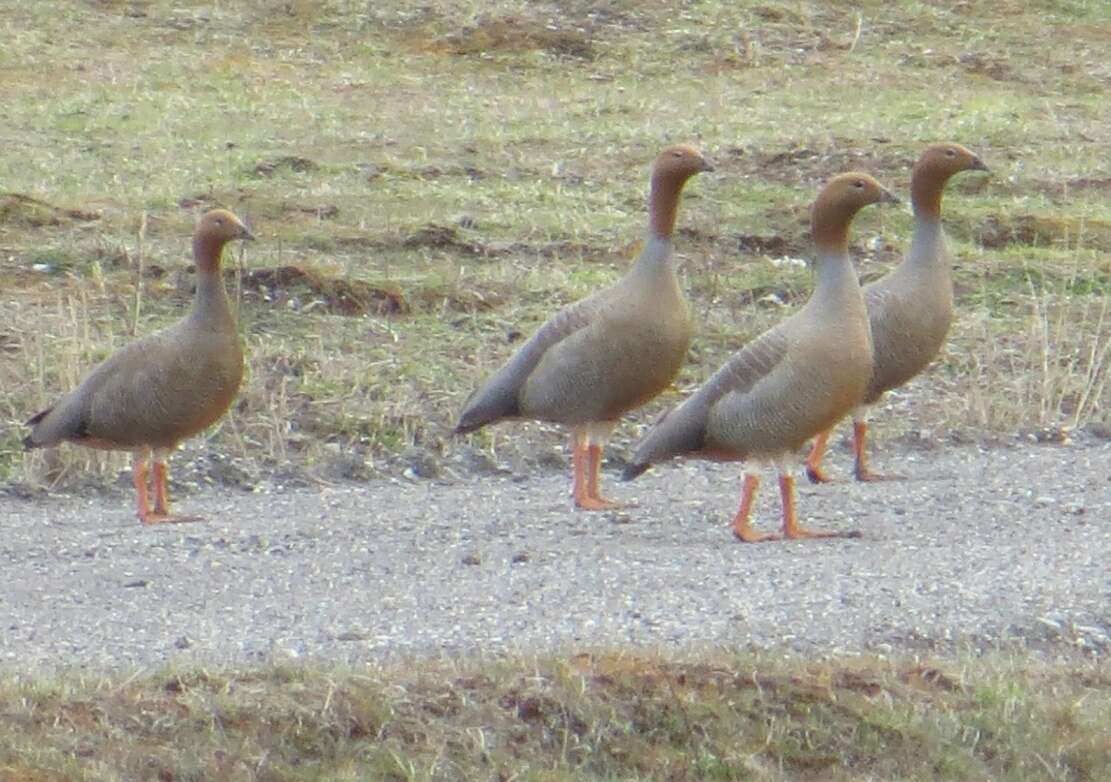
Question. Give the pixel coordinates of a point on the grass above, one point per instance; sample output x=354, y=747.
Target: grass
x=431, y=182
x=589, y=716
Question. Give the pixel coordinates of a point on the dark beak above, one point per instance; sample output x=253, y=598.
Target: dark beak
x=978, y=165
x=888, y=197
x=245, y=234
x=707, y=165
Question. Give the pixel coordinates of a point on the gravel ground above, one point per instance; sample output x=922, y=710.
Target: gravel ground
x=980, y=548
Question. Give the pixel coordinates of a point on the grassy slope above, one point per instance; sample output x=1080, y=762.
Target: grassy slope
x=477, y=164
x=609, y=716
x=536, y=122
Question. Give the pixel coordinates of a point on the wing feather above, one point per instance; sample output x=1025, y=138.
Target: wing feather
x=683, y=430
x=498, y=399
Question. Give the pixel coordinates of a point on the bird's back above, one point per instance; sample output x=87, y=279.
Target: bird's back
x=910, y=311
x=821, y=373
x=154, y=392
x=783, y=387
x=594, y=360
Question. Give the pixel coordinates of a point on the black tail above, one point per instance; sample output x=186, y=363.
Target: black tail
x=475, y=417
x=28, y=443
x=632, y=471
x=464, y=428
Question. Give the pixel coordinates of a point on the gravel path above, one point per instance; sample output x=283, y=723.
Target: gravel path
x=982, y=547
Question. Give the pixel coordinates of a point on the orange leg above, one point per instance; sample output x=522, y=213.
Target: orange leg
x=791, y=528
x=578, y=468
x=161, y=497
x=586, y=461
x=139, y=478
x=594, y=468
x=861, y=470
x=742, y=530
x=814, y=469
x=575, y=468
x=161, y=513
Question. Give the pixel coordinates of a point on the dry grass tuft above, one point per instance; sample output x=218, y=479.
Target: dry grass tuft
x=1047, y=367
x=603, y=716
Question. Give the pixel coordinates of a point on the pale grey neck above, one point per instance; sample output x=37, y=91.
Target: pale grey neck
x=835, y=280
x=656, y=256
x=928, y=247
x=210, y=305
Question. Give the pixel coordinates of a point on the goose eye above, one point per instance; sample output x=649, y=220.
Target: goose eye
x=950, y=153
x=859, y=184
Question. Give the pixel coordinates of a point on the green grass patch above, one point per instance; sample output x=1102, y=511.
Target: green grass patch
x=442, y=177
x=590, y=716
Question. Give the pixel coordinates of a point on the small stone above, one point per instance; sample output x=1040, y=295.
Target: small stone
x=1051, y=623
x=422, y=464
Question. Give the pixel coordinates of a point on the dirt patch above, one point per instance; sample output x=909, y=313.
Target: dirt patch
x=692, y=235
x=1089, y=183
x=320, y=211
x=775, y=34
x=462, y=298
x=520, y=34
x=202, y=202
x=928, y=678
x=444, y=237
x=1063, y=189
x=982, y=64
x=807, y=165
x=285, y=285
x=1000, y=230
x=435, y=172
x=251, y=204
x=562, y=249
x=25, y=210
x=268, y=168
x=1039, y=231
x=774, y=245
x=449, y=238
